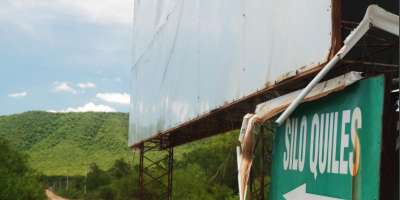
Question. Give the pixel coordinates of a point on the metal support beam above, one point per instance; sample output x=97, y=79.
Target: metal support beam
x=374, y=16
x=368, y=63
x=141, y=171
x=151, y=181
x=258, y=193
x=262, y=161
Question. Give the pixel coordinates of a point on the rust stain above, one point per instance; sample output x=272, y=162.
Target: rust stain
x=280, y=78
x=355, y=165
x=226, y=103
x=283, y=76
x=267, y=84
x=303, y=67
x=287, y=81
x=247, y=156
x=336, y=28
x=277, y=110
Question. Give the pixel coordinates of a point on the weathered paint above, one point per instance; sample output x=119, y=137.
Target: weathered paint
x=269, y=109
x=190, y=57
x=354, y=114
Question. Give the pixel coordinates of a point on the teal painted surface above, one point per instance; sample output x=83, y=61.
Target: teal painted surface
x=367, y=95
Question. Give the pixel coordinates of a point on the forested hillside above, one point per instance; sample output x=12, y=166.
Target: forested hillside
x=59, y=142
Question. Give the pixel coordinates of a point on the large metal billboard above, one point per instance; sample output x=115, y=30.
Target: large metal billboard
x=331, y=148
x=193, y=57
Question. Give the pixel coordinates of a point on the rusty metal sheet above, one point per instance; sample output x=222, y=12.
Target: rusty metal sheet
x=269, y=109
x=193, y=57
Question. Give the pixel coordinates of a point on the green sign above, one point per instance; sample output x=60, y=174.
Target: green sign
x=330, y=148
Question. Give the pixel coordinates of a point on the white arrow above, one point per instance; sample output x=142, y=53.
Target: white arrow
x=300, y=194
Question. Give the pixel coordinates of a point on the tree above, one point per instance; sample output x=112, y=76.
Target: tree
x=17, y=179
x=120, y=168
x=107, y=192
x=97, y=178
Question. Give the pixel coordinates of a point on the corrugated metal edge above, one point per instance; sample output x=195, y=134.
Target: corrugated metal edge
x=269, y=109
x=308, y=73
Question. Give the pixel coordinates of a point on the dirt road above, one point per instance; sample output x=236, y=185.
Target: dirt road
x=52, y=196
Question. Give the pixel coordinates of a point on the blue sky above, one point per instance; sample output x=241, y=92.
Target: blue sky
x=65, y=55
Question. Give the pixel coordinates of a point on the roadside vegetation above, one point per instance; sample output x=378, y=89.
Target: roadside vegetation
x=205, y=169
x=58, y=143
x=17, y=178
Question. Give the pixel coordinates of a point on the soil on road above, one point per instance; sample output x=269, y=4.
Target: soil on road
x=52, y=196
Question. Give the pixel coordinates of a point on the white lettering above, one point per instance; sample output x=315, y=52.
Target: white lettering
x=294, y=129
x=302, y=144
x=291, y=145
x=313, y=158
x=286, y=156
x=322, y=161
x=330, y=143
x=344, y=141
x=335, y=163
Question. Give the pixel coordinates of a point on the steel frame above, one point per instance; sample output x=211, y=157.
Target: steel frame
x=258, y=193
x=388, y=145
x=145, y=171
x=230, y=116
x=366, y=60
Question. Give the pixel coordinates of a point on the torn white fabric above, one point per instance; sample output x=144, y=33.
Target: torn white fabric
x=244, y=126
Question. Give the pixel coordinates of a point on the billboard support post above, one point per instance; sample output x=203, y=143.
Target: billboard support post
x=262, y=161
x=258, y=193
x=147, y=165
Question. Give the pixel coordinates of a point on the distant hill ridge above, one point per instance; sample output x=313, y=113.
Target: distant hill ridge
x=59, y=142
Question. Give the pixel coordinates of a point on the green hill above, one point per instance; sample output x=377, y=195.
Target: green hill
x=59, y=142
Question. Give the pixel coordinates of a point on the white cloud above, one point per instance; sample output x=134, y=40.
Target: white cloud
x=95, y=11
x=86, y=85
x=114, y=97
x=18, y=95
x=63, y=86
x=101, y=11
x=98, y=72
x=117, y=79
x=89, y=107
x=104, y=79
x=94, y=99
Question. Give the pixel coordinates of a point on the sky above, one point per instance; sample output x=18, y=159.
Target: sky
x=65, y=55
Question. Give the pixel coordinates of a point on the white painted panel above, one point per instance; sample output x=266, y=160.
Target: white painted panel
x=193, y=56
